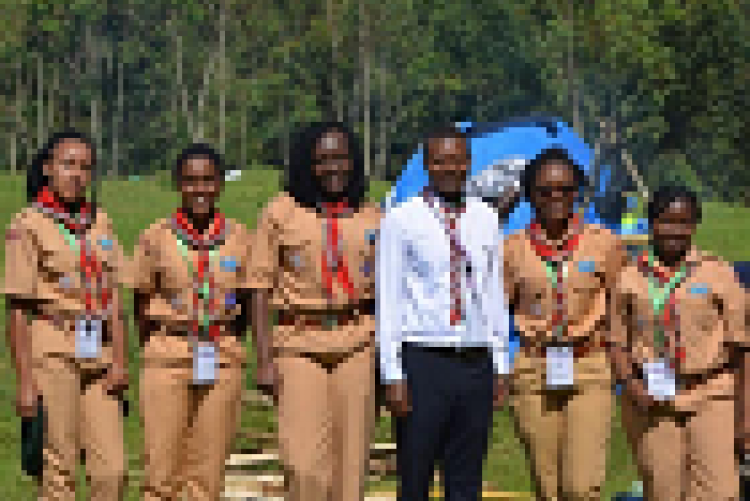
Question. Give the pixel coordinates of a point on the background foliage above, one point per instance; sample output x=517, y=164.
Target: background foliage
x=667, y=80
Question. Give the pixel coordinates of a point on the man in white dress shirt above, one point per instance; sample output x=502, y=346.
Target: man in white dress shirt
x=442, y=326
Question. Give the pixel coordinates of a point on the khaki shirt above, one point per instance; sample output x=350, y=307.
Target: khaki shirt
x=711, y=309
x=592, y=270
x=159, y=271
x=287, y=258
x=41, y=267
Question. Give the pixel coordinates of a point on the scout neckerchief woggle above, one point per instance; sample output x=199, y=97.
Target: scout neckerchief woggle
x=204, y=290
x=662, y=285
x=555, y=258
x=74, y=231
x=448, y=217
x=333, y=260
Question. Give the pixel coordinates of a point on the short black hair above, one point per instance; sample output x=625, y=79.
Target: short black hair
x=554, y=154
x=666, y=195
x=35, y=178
x=444, y=132
x=198, y=150
x=301, y=183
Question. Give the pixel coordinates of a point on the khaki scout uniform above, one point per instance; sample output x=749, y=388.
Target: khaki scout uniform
x=41, y=267
x=187, y=428
x=565, y=431
x=685, y=449
x=327, y=404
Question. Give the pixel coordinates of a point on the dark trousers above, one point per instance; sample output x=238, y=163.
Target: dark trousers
x=450, y=421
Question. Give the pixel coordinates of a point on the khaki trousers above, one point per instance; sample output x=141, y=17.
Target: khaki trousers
x=565, y=432
x=685, y=457
x=188, y=430
x=80, y=415
x=326, y=417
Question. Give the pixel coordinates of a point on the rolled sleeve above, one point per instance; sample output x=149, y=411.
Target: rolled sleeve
x=264, y=259
x=141, y=275
x=618, y=322
x=733, y=298
x=116, y=256
x=389, y=290
x=21, y=262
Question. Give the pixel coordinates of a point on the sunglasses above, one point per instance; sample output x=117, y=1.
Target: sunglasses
x=563, y=190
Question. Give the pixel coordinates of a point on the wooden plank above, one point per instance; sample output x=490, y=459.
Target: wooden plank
x=251, y=460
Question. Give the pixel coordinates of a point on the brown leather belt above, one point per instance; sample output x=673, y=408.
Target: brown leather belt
x=325, y=320
x=688, y=382
x=581, y=347
x=62, y=322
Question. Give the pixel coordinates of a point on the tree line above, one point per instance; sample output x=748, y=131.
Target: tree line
x=656, y=87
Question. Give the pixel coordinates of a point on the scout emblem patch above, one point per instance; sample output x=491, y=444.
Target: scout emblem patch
x=228, y=263
x=371, y=236
x=699, y=289
x=586, y=267
x=105, y=243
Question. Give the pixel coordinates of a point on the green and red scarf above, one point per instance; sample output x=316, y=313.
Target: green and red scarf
x=204, y=300
x=74, y=229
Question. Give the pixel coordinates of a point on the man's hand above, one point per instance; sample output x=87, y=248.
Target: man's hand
x=397, y=399
x=26, y=398
x=117, y=379
x=502, y=385
x=268, y=380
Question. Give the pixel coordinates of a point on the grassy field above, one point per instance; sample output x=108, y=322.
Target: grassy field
x=135, y=204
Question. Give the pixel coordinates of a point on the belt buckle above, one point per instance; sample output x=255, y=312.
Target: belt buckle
x=330, y=321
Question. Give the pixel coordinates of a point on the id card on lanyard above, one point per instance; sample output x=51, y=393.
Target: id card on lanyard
x=560, y=359
x=204, y=350
x=661, y=381
x=88, y=328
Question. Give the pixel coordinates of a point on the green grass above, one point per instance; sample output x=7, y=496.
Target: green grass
x=133, y=205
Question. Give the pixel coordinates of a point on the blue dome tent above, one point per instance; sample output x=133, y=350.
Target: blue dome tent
x=522, y=138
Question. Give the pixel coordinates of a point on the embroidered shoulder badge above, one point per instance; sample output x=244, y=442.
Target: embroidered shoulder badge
x=586, y=266
x=228, y=263
x=105, y=243
x=699, y=289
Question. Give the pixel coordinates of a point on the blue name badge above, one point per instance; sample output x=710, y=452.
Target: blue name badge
x=699, y=289
x=586, y=266
x=105, y=244
x=228, y=264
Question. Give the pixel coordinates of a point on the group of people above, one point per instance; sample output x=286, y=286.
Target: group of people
x=411, y=304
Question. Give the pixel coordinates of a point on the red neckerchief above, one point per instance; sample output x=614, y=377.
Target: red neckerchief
x=556, y=253
x=669, y=320
x=90, y=267
x=457, y=252
x=332, y=256
x=202, y=243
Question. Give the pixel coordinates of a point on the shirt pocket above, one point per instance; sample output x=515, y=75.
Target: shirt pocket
x=299, y=261
x=59, y=265
x=697, y=310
